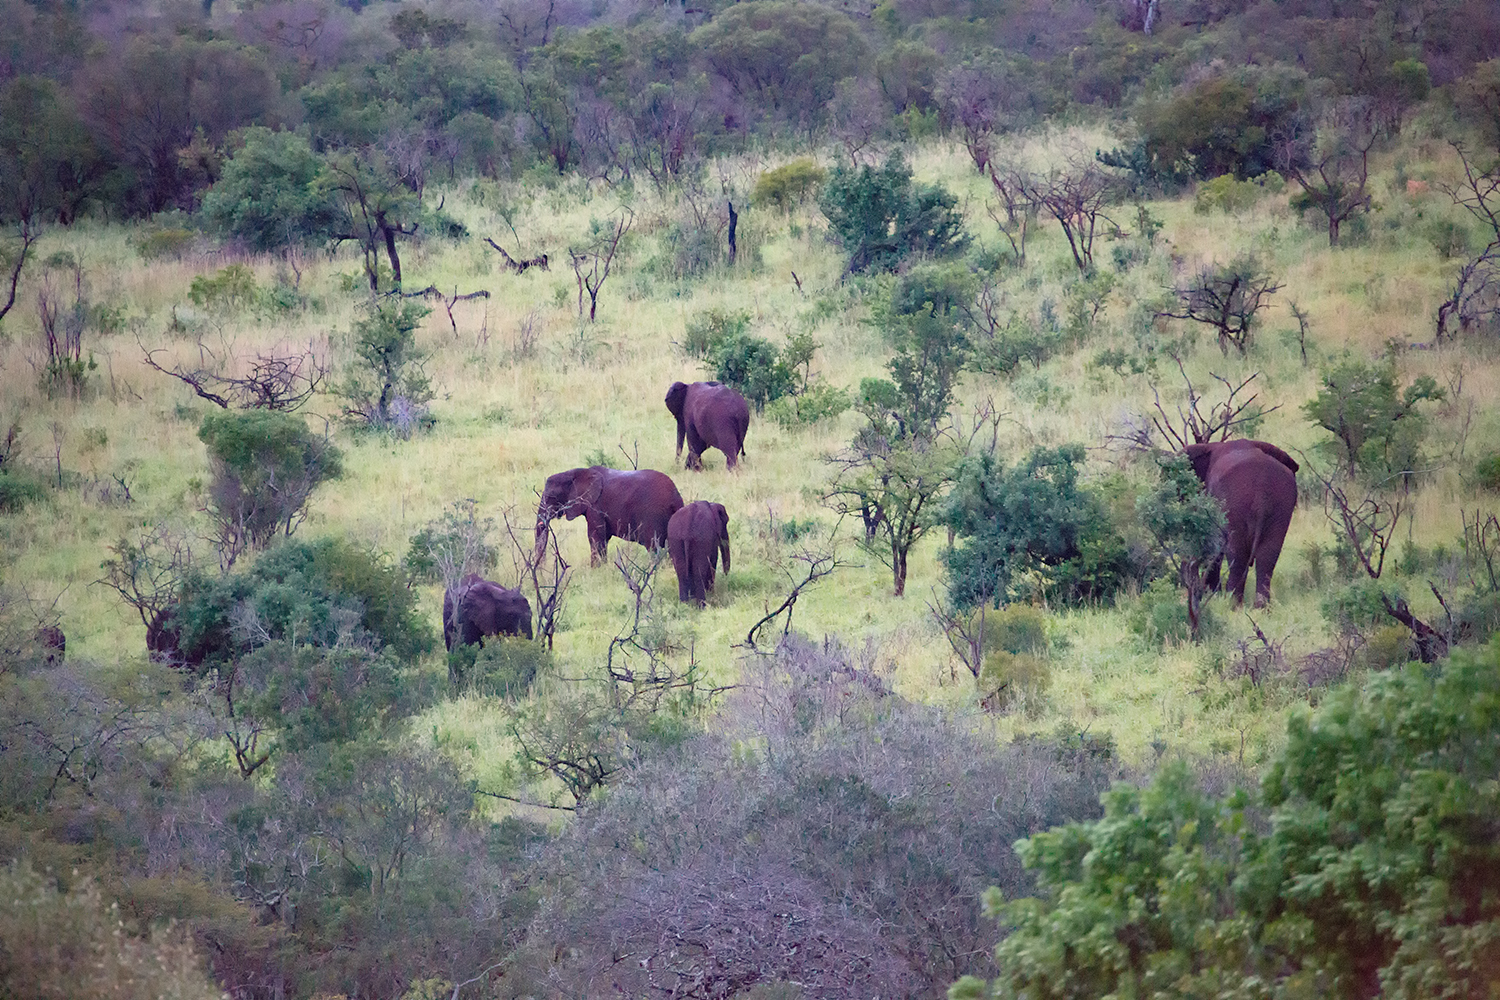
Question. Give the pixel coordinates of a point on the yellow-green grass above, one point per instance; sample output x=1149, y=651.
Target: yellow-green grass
x=507, y=421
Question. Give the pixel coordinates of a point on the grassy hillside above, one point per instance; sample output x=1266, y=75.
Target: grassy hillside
x=510, y=412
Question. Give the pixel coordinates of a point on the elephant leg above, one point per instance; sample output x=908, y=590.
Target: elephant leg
x=696, y=445
x=1239, y=568
x=598, y=541
x=1266, y=554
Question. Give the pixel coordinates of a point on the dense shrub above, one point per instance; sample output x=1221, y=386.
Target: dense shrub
x=788, y=186
x=266, y=466
x=19, y=487
x=843, y=850
x=503, y=666
x=313, y=593
x=1160, y=616
x=267, y=193
x=1030, y=529
x=753, y=366
x=57, y=945
x=385, y=386
x=1376, y=425
x=882, y=219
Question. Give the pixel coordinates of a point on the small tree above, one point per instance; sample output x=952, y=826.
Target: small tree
x=451, y=547
x=1188, y=527
x=1076, y=196
x=268, y=193
x=387, y=388
x=371, y=207
x=265, y=468
x=593, y=260
x=1376, y=426
x=1329, y=158
x=881, y=218
x=1226, y=297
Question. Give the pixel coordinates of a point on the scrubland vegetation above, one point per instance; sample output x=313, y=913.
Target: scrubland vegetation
x=307, y=301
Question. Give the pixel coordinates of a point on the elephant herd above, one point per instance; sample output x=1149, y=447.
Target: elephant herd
x=1254, y=482
x=640, y=505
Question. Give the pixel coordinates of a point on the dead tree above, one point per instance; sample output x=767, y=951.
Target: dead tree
x=1226, y=297
x=1076, y=197
x=29, y=233
x=545, y=576
x=591, y=264
x=1329, y=158
x=816, y=564
x=1368, y=524
x=448, y=301
x=1475, y=299
x=965, y=633
x=1191, y=425
x=1020, y=211
x=280, y=382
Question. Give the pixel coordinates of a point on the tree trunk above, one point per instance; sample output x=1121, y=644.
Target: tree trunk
x=898, y=571
x=734, y=221
x=390, y=251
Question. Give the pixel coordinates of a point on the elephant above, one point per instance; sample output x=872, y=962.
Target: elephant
x=634, y=505
x=696, y=536
x=1256, y=485
x=474, y=608
x=709, y=415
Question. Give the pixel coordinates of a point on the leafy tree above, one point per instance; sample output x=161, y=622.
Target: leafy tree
x=1030, y=529
x=268, y=193
x=1329, y=158
x=373, y=207
x=785, y=56
x=1376, y=426
x=1226, y=297
x=787, y=186
x=882, y=219
x=69, y=945
x=754, y=367
x=1219, y=125
x=1188, y=527
x=265, y=467
x=386, y=387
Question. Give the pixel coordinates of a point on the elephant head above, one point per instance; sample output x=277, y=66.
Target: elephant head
x=676, y=401
x=567, y=494
x=723, y=533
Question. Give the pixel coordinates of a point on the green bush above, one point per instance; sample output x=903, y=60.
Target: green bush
x=57, y=945
x=1014, y=680
x=19, y=487
x=268, y=193
x=232, y=289
x=1160, y=615
x=788, y=186
x=504, y=666
x=385, y=386
x=1478, y=617
x=161, y=243
x=1487, y=472
x=1357, y=606
x=882, y=219
x=1226, y=194
x=1387, y=647
x=820, y=402
x=708, y=329
x=1017, y=628
x=754, y=367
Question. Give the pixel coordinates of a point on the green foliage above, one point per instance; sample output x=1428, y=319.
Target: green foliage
x=1378, y=872
x=710, y=328
x=318, y=593
x=385, y=386
x=753, y=367
x=1220, y=125
x=1160, y=617
x=503, y=666
x=1377, y=428
x=454, y=545
x=159, y=244
x=1357, y=607
x=788, y=186
x=1017, y=628
x=1187, y=526
x=1487, y=472
x=1226, y=193
x=267, y=193
x=266, y=465
x=69, y=945
x=232, y=289
x=1030, y=530
x=19, y=487
x=819, y=402
x=1009, y=680
x=931, y=352
x=883, y=220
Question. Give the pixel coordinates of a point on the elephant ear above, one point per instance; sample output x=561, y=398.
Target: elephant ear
x=676, y=398
x=1278, y=454
x=588, y=485
x=1201, y=455
x=723, y=519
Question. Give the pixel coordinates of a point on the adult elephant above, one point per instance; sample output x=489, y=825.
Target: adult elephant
x=709, y=415
x=475, y=608
x=696, y=536
x=1256, y=485
x=634, y=505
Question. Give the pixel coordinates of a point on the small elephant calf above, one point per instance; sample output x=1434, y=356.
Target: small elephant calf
x=696, y=536
x=476, y=608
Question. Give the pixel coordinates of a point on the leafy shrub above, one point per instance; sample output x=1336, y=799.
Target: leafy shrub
x=754, y=367
x=1487, y=472
x=503, y=666
x=1225, y=194
x=385, y=386
x=1017, y=628
x=820, y=402
x=267, y=193
x=265, y=465
x=451, y=547
x=1357, y=607
x=1478, y=618
x=71, y=946
x=882, y=219
x=232, y=289
x=1160, y=616
x=310, y=592
x=1030, y=530
x=708, y=329
x=19, y=487
x=788, y=186
x=1009, y=680
x=1386, y=647
x=1376, y=426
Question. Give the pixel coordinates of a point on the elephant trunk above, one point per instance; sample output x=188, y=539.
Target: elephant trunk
x=724, y=551
x=681, y=433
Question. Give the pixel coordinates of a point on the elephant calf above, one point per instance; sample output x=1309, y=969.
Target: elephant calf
x=696, y=536
x=475, y=608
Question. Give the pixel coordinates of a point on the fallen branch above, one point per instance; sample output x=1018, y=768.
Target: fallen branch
x=519, y=266
x=1431, y=646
